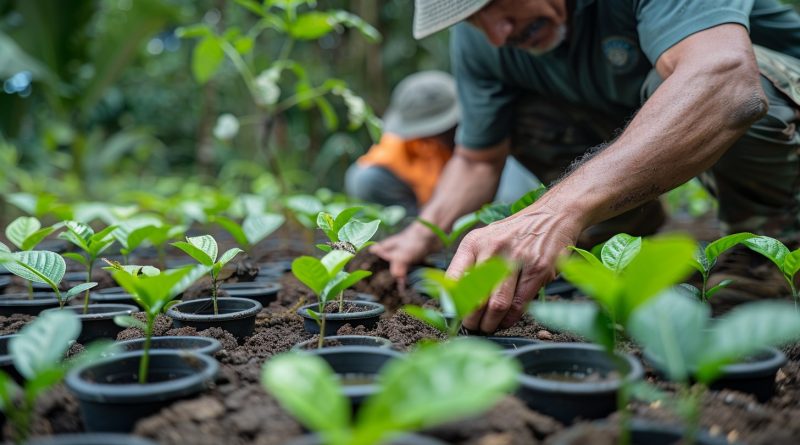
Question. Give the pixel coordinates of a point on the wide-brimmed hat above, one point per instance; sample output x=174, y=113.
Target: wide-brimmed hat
x=431, y=16
x=423, y=104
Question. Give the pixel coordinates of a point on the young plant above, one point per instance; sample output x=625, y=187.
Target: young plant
x=92, y=244
x=706, y=258
x=37, y=353
x=461, y=226
x=254, y=228
x=132, y=235
x=495, y=212
x=345, y=232
x=411, y=395
x=153, y=293
x=41, y=266
x=459, y=297
x=26, y=233
x=678, y=333
x=161, y=235
x=327, y=279
x=788, y=262
x=204, y=250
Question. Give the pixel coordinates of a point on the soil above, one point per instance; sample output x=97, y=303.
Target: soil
x=238, y=410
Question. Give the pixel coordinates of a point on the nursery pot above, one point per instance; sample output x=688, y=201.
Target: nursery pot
x=755, y=376
x=511, y=344
x=112, y=295
x=235, y=315
x=20, y=303
x=643, y=432
x=111, y=399
x=568, y=381
x=264, y=292
x=357, y=367
x=408, y=439
x=367, y=316
x=98, y=322
x=560, y=287
x=6, y=362
x=90, y=439
x=200, y=345
x=338, y=341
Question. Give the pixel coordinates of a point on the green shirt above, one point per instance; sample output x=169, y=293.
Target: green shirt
x=613, y=45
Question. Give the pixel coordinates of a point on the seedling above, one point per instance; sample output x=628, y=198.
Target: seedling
x=153, y=293
x=253, y=229
x=788, y=262
x=92, y=244
x=26, y=233
x=204, y=250
x=615, y=254
x=461, y=226
x=327, y=279
x=497, y=211
x=345, y=232
x=459, y=297
x=679, y=333
x=706, y=258
x=41, y=266
x=434, y=384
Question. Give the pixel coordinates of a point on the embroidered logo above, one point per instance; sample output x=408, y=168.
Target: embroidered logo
x=621, y=53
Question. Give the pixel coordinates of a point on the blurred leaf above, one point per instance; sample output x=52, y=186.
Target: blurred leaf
x=620, y=250
x=528, y=199
x=427, y=315
x=41, y=345
x=206, y=59
x=311, y=26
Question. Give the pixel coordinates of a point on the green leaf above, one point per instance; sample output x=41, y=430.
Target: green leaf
x=475, y=287
x=494, y=212
x=207, y=244
x=9, y=391
x=35, y=238
x=427, y=315
x=185, y=281
x=259, y=226
x=791, y=264
x=358, y=233
x=353, y=21
x=40, y=266
x=461, y=225
x=244, y=45
x=252, y=6
x=311, y=26
x=329, y=116
x=153, y=292
x=716, y=248
x=436, y=384
x=207, y=57
x=228, y=255
x=306, y=386
x=75, y=239
x=672, y=328
x=744, y=331
x=620, y=250
x=722, y=285
x=528, y=199
x=436, y=230
x=127, y=321
x=41, y=344
x=335, y=261
x=311, y=272
x=588, y=256
x=21, y=228
x=232, y=227
x=325, y=223
x=344, y=216
x=81, y=230
x=78, y=289
x=771, y=248
x=594, y=279
x=342, y=281
x=193, y=31
x=77, y=257
x=580, y=318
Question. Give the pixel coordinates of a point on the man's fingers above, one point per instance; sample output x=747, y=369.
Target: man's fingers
x=398, y=269
x=527, y=287
x=499, y=305
x=464, y=258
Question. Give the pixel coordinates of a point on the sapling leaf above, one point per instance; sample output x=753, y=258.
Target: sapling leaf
x=207, y=244
x=771, y=248
x=358, y=233
x=41, y=345
x=342, y=281
x=620, y=250
x=153, y=292
x=690, y=290
x=311, y=272
x=9, y=391
x=716, y=248
x=21, y=228
x=335, y=261
x=256, y=227
x=528, y=199
x=478, y=282
x=77, y=257
x=494, y=212
x=229, y=255
x=232, y=227
x=427, y=315
x=722, y=285
x=195, y=252
x=461, y=225
x=597, y=250
x=305, y=386
x=35, y=238
x=325, y=222
x=588, y=256
x=343, y=217
x=593, y=278
x=324, y=247
x=78, y=289
x=40, y=266
x=436, y=230
x=580, y=318
x=314, y=315
x=127, y=321
x=791, y=264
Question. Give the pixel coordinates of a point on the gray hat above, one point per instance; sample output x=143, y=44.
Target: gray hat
x=431, y=16
x=423, y=104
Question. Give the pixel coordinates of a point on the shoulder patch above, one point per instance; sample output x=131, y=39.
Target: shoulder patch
x=622, y=53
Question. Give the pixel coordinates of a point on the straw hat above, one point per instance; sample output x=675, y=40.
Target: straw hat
x=431, y=16
x=423, y=104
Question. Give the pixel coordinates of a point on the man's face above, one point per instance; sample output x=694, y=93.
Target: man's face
x=537, y=26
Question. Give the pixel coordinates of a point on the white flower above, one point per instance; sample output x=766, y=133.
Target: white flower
x=267, y=90
x=356, y=107
x=227, y=127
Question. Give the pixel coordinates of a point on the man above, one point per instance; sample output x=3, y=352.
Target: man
x=679, y=79
x=418, y=140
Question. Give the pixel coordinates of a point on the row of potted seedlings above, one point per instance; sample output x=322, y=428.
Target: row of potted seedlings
x=566, y=381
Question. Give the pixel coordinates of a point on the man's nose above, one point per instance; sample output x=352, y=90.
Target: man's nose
x=496, y=26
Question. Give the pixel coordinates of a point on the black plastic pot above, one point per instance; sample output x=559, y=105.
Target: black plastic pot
x=570, y=400
x=263, y=292
x=110, y=398
x=200, y=345
x=90, y=439
x=561, y=287
x=98, y=323
x=19, y=303
x=339, y=341
x=643, y=432
x=409, y=439
x=5, y=280
x=754, y=376
x=273, y=271
x=511, y=344
x=116, y=295
x=367, y=318
x=357, y=367
x=6, y=362
x=70, y=279
x=235, y=315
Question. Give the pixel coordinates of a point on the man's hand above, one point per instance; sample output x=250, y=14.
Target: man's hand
x=405, y=249
x=534, y=239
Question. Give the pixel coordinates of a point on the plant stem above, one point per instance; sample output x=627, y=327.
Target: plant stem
x=321, y=340
x=144, y=363
x=214, y=293
x=692, y=396
x=542, y=294
x=625, y=413
x=341, y=302
x=86, y=296
x=30, y=290
x=703, y=289
x=454, y=327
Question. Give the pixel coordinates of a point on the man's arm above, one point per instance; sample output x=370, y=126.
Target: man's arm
x=710, y=97
x=468, y=181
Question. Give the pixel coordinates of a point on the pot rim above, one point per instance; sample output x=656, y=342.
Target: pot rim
x=356, y=391
x=760, y=368
x=377, y=309
x=90, y=439
x=255, y=308
x=211, y=347
x=268, y=286
x=635, y=372
x=136, y=392
x=7, y=358
x=384, y=342
x=114, y=309
x=21, y=299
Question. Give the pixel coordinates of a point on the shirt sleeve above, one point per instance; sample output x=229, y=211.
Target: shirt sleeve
x=663, y=23
x=485, y=100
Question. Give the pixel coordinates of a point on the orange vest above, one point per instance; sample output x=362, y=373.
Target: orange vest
x=417, y=162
